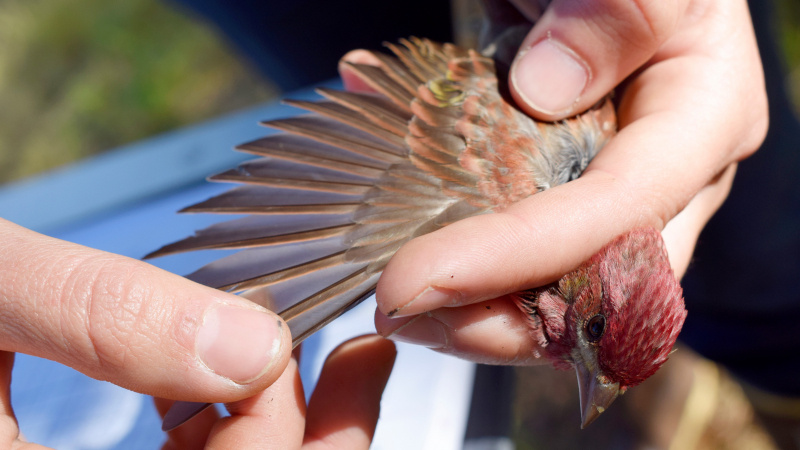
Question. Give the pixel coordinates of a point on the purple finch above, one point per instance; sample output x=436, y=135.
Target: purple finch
x=343, y=188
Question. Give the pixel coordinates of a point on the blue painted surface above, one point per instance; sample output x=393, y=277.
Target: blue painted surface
x=137, y=172
x=123, y=202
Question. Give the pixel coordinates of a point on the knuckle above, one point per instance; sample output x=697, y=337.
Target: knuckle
x=656, y=19
x=110, y=311
x=642, y=24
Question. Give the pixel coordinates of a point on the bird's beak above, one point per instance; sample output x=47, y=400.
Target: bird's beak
x=595, y=396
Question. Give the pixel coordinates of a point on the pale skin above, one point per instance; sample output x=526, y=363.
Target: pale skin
x=342, y=413
x=695, y=107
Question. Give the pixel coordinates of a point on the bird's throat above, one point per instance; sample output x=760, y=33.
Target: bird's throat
x=545, y=311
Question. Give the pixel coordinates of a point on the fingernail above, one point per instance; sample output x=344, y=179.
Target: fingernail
x=550, y=77
x=238, y=343
x=430, y=299
x=424, y=330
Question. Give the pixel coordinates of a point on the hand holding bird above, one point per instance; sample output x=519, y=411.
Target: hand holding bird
x=695, y=108
x=505, y=228
x=344, y=188
x=681, y=131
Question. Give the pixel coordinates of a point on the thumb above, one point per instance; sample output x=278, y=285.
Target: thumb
x=578, y=51
x=127, y=322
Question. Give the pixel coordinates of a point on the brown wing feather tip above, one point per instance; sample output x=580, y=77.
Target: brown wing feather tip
x=294, y=184
x=316, y=129
x=297, y=338
x=265, y=241
x=350, y=117
x=285, y=274
x=332, y=208
x=398, y=72
x=347, y=283
x=378, y=80
x=228, y=175
x=157, y=253
x=380, y=112
x=290, y=102
x=189, y=210
x=305, y=154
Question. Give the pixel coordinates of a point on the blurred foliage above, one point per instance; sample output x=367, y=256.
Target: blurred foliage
x=81, y=76
x=787, y=16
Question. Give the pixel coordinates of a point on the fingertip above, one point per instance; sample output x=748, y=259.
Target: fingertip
x=242, y=344
x=281, y=354
x=371, y=347
x=418, y=277
x=206, y=345
x=385, y=326
x=352, y=82
x=577, y=52
x=191, y=435
x=490, y=332
x=472, y=260
x=273, y=418
x=236, y=350
x=125, y=321
x=393, y=300
x=344, y=409
x=364, y=362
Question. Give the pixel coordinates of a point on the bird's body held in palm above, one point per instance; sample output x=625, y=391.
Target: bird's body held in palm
x=340, y=191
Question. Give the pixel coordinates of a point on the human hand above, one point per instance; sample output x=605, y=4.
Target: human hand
x=124, y=321
x=691, y=104
x=342, y=413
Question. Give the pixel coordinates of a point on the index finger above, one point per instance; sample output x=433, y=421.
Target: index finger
x=274, y=418
x=127, y=322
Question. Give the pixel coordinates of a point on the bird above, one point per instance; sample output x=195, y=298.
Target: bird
x=343, y=187
x=614, y=319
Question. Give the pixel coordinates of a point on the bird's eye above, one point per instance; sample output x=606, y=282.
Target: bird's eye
x=596, y=327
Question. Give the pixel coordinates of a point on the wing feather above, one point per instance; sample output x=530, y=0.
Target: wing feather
x=340, y=190
x=378, y=80
x=331, y=132
x=379, y=110
x=347, y=116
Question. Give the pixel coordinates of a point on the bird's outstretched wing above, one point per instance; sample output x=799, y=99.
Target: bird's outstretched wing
x=335, y=196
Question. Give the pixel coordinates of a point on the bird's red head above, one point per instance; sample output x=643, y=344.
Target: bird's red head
x=614, y=319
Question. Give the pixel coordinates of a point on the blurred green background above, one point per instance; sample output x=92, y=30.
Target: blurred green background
x=78, y=77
